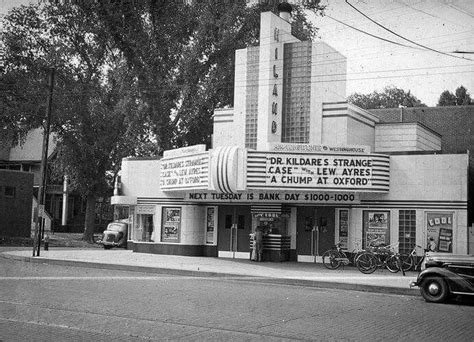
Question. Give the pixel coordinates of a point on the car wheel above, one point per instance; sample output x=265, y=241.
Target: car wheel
x=434, y=289
x=107, y=247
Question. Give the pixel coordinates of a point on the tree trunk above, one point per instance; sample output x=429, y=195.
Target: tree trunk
x=90, y=219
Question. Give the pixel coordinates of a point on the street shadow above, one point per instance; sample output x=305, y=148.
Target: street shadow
x=461, y=300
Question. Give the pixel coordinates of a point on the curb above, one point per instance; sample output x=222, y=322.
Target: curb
x=237, y=277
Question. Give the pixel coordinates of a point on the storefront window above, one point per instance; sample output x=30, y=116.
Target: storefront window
x=406, y=230
x=274, y=225
x=144, y=227
x=145, y=231
x=376, y=228
x=439, y=232
x=171, y=226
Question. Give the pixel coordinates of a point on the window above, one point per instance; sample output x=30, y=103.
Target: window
x=406, y=230
x=145, y=228
x=10, y=191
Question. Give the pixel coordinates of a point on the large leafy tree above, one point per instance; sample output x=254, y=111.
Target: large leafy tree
x=460, y=97
x=96, y=109
x=390, y=97
x=179, y=66
x=183, y=54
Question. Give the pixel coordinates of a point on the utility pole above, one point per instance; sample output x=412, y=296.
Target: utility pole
x=39, y=214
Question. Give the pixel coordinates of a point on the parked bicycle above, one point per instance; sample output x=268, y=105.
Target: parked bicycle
x=379, y=257
x=413, y=260
x=336, y=257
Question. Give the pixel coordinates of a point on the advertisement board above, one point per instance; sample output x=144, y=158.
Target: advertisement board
x=439, y=232
x=185, y=172
x=376, y=228
x=343, y=228
x=171, y=225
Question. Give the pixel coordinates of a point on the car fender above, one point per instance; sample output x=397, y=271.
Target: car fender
x=455, y=282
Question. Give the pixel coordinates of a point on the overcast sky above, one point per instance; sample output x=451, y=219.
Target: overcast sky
x=372, y=64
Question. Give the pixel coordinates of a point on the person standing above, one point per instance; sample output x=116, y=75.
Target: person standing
x=46, y=242
x=259, y=243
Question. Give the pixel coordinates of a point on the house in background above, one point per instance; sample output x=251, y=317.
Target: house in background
x=61, y=207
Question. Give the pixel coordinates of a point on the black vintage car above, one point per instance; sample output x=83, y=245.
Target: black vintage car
x=443, y=275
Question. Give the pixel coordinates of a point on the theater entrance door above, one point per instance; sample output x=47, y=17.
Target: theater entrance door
x=234, y=228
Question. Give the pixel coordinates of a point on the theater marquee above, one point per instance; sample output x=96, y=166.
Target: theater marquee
x=362, y=172
x=233, y=169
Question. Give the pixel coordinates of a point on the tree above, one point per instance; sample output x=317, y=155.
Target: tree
x=391, y=97
x=95, y=107
x=447, y=99
x=460, y=98
x=463, y=98
x=184, y=56
x=133, y=77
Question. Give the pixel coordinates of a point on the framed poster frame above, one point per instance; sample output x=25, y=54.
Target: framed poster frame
x=376, y=227
x=171, y=224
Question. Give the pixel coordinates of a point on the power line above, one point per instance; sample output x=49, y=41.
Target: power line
x=372, y=35
x=400, y=36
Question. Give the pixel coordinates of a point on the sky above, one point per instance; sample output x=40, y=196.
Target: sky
x=372, y=64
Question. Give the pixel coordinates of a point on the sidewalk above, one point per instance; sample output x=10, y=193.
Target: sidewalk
x=291, y=273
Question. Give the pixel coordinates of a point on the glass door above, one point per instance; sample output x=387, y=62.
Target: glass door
x=234, y=223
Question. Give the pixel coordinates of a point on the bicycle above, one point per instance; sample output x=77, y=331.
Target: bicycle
x=412, y=260
x=379, y=257
x=335, y=257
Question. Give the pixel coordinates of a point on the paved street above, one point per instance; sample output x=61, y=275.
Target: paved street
x=44, y=302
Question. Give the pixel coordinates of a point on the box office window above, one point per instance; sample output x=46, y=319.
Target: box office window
x=171, y=225
x=376, y=228
x=406, y=230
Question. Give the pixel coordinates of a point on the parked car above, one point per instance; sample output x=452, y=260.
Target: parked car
x=443, y=275
x=115, y=235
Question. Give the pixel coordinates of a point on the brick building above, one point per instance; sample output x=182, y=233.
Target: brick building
x=455, y=124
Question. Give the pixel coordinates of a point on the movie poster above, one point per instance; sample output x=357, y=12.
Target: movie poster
x=377, y=228
x=210, y=224
x=439, y=232
x=171, y=225
x=343, y=228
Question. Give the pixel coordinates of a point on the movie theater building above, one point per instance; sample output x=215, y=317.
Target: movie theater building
x=293, y=157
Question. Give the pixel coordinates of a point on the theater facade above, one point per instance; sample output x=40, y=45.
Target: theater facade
x=294, y=157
